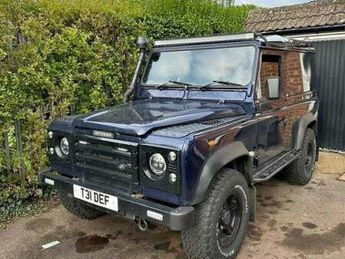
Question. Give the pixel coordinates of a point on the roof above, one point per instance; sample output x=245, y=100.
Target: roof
x=322, y=13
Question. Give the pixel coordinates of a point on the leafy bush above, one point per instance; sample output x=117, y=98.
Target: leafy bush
x=63, y=57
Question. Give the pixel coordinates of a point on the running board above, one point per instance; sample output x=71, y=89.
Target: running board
x=270, y=170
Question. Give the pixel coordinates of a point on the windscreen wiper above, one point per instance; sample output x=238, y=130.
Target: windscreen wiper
x=220, y=82
x=174, y=82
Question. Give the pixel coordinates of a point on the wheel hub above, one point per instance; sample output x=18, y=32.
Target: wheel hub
x=308, y=163
x=226, y=217
x=229, y=221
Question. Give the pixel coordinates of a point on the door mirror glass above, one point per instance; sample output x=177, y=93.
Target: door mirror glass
x=273, y=87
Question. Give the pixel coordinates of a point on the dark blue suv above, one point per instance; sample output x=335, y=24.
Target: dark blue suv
x=204, y=120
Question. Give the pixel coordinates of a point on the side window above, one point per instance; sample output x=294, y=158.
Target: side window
x=270, y=67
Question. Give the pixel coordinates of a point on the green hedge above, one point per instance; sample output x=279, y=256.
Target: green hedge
x=63, y=57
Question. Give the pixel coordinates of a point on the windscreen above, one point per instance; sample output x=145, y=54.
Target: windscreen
x=201, y=66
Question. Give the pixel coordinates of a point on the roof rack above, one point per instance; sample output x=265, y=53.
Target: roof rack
x=201, y=40
x=267, y=40
x=283, y=42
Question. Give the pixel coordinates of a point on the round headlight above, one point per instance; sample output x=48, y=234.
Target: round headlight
x=64, y=146
x=157, y=164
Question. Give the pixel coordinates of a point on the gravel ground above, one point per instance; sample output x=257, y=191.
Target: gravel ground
x=292, y=222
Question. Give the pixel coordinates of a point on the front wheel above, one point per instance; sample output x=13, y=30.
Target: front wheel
x=221, y=221
x=77, y=207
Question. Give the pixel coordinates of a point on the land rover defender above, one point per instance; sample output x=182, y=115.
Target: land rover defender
x=204, y=120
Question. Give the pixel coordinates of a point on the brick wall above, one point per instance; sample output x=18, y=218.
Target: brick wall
x=291, y=84
x=268, y=69
x=291, y=73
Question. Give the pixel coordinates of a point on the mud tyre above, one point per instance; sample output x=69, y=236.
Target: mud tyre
x=78, y=208
x=221, y=221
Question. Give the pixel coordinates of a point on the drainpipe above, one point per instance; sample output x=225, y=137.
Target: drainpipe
x=142, y=44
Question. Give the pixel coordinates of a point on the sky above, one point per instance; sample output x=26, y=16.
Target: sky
x=271, y=3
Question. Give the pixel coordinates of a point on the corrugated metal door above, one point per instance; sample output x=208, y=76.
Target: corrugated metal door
x=329, y=81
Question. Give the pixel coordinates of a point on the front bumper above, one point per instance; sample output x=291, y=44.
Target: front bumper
x=176, y=218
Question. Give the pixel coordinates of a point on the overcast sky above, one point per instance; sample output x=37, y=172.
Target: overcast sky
x=271, y=3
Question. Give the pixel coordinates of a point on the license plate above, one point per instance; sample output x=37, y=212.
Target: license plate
x=94, y=197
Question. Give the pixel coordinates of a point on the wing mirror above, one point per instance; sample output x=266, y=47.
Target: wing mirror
x=273, y=87
x=142, y=43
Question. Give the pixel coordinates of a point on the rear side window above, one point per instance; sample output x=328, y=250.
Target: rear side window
x=293, y=68
x=270, y=67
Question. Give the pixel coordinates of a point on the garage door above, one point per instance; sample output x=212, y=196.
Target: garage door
x=329, y=81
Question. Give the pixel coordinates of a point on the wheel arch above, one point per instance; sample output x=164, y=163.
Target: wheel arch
x=306, y=121
x=234, y=155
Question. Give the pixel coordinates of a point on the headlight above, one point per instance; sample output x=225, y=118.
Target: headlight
x=64, y=146
x=157, y=164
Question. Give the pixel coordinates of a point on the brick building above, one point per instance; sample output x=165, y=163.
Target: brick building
x=323, y=24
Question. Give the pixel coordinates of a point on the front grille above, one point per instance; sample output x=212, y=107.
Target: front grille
x=107, y=161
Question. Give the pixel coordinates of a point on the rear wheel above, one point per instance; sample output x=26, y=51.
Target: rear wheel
x=78, y=207
x=301, y=170
x=221, y=221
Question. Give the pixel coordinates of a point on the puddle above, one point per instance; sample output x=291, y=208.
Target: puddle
x=91, y=243
x=316, y=244
x=309, y=225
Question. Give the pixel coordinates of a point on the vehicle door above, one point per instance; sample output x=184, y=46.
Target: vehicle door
x=278, y=93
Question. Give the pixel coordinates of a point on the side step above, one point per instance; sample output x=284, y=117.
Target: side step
x=270, y=170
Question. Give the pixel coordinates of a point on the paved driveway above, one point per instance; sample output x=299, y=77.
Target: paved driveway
x=292, y=222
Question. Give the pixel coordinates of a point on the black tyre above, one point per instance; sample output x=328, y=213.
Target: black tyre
x=300, y=171
x=78, y=208
x=221, y=221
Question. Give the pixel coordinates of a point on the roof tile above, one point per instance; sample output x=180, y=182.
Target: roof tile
x=313, y=14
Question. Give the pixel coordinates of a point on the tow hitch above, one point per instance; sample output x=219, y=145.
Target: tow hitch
x=143, y=224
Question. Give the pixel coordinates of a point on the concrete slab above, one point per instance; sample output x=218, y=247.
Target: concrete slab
x=292, y=222
x=331, y=163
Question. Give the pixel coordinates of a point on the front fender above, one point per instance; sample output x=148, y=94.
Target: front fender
x=215, y=162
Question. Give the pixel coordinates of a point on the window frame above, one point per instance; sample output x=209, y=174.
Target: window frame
x=258, y=85
x=141, y=84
